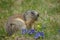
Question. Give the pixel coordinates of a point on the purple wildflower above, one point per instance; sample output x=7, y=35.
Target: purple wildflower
x=24, y=31
x=38, y=34
x=31, y=31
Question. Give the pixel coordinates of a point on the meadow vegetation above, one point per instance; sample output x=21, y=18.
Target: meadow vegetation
x=48, y=22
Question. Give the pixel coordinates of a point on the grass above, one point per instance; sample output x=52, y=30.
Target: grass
x=49, y=20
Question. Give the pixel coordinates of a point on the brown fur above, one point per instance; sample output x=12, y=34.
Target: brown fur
x=13, y=25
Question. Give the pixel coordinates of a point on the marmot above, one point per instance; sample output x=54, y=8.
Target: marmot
x=21, y=21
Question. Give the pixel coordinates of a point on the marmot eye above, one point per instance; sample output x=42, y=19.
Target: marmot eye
x=32, y=13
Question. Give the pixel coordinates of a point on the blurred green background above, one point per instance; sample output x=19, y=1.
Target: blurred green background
x=49, y=19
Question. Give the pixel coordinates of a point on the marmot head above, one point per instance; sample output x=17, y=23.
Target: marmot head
x=31, y=14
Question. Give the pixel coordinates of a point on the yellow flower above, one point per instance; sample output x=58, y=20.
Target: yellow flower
x=38, y=26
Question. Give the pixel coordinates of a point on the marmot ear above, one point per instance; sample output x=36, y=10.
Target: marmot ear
x=24, y=17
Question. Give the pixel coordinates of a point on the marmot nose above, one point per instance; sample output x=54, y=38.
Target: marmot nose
x=37, y=15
